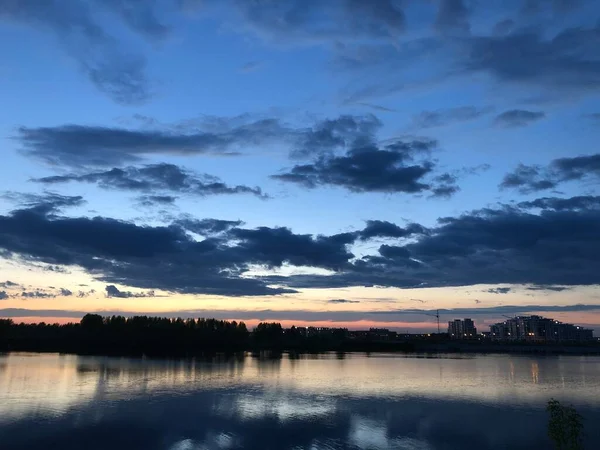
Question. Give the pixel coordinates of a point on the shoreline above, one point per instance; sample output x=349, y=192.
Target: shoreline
x=408, y=348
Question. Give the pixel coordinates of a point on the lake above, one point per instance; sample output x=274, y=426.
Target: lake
x=352, y=401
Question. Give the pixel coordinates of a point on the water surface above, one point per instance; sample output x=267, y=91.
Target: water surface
x=357, y=401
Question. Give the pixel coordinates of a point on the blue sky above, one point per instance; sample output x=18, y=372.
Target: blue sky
x=333, y=136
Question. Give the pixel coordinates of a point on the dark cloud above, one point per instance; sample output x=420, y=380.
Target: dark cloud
x=77, y=145
x=3, y=295
x=8, y=284
x=207, y=227
x=567, y=61
x=548, y=288
x=452, y=15
x=555, y=6
x=342, y=301
x=113, y=291
x=529, y=179
x=156, y=200
x=83, y=294
x=167, y=257
x=46, y=203
x=398, y=167
x=518, y=118
x=519, y=52
x=561, y=204
x=490, y=246
x=445, y=185
x=500, y=290
x=384, y=229
x=82, y=146
x=276, y=246
x=312, y=20
x=344, y=132
x=155, y=178
x=37, y=294
x=57, y=269
x=101, y=56
x=508, y=245
x=443, y=117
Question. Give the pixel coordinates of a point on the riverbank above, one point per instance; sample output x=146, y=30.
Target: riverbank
x=420, y=347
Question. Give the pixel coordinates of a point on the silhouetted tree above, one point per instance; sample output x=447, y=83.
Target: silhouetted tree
x=565, y=426
x=92, y=322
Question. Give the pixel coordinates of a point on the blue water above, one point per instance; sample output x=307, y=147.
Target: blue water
x=328, y=402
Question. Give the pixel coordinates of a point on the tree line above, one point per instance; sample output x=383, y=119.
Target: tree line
x=159, y=336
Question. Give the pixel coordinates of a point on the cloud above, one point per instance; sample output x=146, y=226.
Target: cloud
x=305, y=21
x=46, y=203
x=101, y=56
x=94, y=146
x=113, y=291
x=80, y=146
x=3, y=295
x=518, y=118
x=500, y=290
x=156, y=178
x=563, y=204
x=452, y=15
x=168, y=258
x=507, y=245
x=443, y=117
x=8, y=284
x=549, y=288
x=275, y=246
x=342, y=301
x=328, y=135
x=398, y=167
x=535, y=178
x=488, y=246
x=37, y=294
x=154, y=200
x=556, y=6
x=567, y=61
x=206, y=227
x=384, y=229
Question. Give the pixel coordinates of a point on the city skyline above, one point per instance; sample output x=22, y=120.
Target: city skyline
x=349, y=164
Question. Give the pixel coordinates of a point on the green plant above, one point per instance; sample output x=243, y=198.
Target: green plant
x=565, y=426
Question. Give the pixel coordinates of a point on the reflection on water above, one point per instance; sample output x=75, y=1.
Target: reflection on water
x=535, y=372
x=332, y=401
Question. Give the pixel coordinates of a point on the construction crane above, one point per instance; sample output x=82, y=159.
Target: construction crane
x=437, y=316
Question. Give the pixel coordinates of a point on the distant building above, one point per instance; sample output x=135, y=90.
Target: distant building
x=539, y=329
x=326, y=331
x=382, y=334
x=462, y=329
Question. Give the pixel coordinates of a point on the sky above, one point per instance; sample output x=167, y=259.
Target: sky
x=349, y=163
